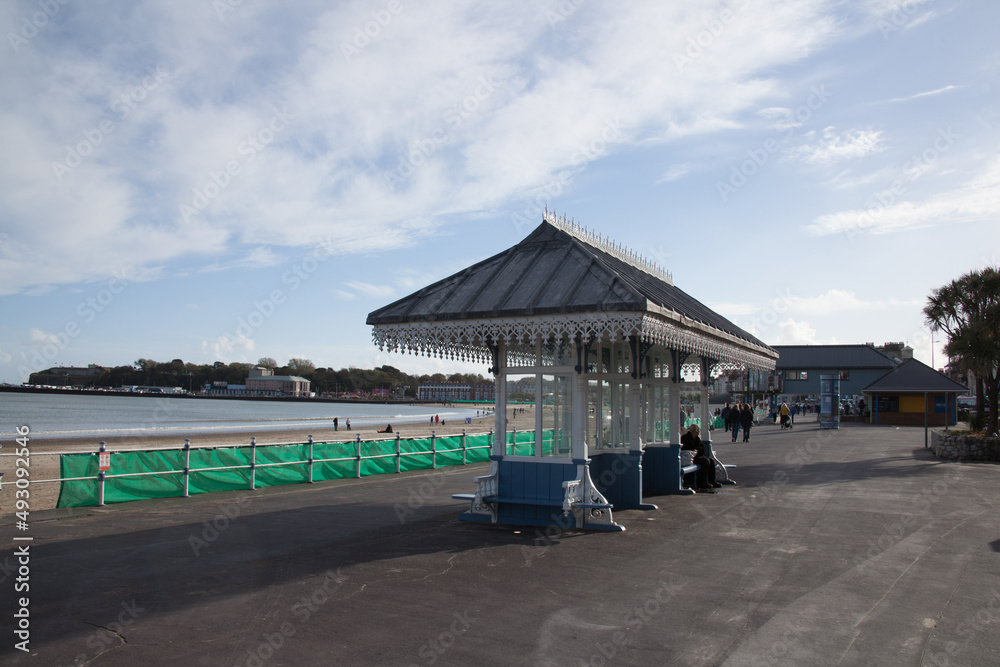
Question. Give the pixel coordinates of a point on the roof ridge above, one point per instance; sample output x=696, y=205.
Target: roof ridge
x=605, y=244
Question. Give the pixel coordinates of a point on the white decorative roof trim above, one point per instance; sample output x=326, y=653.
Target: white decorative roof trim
x=467, y=340
x=595, y=240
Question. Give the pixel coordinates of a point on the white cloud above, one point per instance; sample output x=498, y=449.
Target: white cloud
x=481, y=101
x=675, y=172
x=796, y=333
x=4, y=357
x=833, y=147
x=979, y=199
x=928, y=93
x=370, y=290
x=227, y=348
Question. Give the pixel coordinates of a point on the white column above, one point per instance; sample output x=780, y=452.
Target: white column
x=634, y=416
x=500, y=415
x=706, y=414
x=580, y=416
x=676, y=427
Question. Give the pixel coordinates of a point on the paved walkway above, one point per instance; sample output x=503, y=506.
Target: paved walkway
x=852, y=547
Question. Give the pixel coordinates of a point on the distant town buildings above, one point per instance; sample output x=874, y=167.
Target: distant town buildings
x=446, y=392
x=263, y=382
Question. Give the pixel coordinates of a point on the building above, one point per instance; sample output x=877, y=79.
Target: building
x=263, y=382
x=800, y=366
x=447, y=392
x=913, y=394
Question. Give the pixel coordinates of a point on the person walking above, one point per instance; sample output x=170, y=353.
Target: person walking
x=725, y=416
x=746, y=421
x=734, y=420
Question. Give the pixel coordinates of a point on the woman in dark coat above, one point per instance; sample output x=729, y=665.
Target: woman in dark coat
x=746, y=421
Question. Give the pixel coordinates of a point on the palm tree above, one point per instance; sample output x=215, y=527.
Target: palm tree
x=968, y=311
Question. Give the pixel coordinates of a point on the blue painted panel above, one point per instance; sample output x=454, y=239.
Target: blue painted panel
x=617, y=475
x=661, y=469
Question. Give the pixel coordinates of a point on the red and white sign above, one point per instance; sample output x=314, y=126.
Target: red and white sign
x=104, y=460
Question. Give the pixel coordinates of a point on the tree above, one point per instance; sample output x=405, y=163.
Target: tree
x=968, y=311
x=267, y=362
x=299, y=366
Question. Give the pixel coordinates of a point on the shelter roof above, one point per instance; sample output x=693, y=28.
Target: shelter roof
x=840, y=357
x=915, y=376
x=557, y=273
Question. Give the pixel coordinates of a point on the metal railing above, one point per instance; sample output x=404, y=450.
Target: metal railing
x=358, y=457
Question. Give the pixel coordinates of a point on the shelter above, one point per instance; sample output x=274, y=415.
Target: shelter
x=606, y=342
x=914, y=394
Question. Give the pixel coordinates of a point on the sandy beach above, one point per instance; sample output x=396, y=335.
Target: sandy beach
x=45, y=459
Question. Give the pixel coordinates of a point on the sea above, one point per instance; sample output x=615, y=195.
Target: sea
x=83, y=416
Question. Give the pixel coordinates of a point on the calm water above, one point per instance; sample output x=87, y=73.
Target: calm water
x=63, y=416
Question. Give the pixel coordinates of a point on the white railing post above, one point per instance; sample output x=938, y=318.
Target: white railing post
x=358, y=473
x=463, y=446
x=398, y=451
x=187, y=467
x=253, y=462
x=310, y=459
x=433, y=450
x=100, y=476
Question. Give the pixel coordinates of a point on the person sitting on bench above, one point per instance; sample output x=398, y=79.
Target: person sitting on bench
x=705, y=476
x=387, y=429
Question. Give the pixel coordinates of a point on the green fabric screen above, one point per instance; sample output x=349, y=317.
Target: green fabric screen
x=274, y=465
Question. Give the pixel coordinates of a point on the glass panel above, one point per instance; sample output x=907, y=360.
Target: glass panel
x=557, y=415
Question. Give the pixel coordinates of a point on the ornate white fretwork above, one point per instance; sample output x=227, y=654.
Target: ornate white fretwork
x=486, y=487
x=470, y=340
x=581, y=496
x=605, y=244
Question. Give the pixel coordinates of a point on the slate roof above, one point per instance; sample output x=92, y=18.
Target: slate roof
x=915, y=376
x=550, y=272
x=839, y=357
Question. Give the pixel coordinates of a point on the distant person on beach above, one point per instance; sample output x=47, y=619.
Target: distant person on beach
x=387, y=429
x=348, y=423
x=334, y=424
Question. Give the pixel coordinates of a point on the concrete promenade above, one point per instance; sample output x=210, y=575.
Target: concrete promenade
x=849, y=547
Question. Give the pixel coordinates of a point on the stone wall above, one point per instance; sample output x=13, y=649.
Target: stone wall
x=965, y=447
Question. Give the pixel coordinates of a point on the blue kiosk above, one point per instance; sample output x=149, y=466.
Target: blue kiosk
x=603, y=343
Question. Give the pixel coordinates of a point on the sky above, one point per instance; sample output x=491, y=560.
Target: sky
x=224, y=180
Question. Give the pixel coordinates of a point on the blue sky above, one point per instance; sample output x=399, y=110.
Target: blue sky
x=235, y=179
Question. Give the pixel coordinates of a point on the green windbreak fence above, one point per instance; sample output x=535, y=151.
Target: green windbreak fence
x=141, y=475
